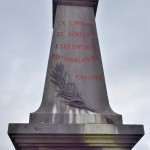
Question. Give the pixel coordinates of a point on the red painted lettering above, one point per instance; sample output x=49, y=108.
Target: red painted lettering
x=74, y=60
x=80, y=23
x=61, y=23
x=88, y=77
x=60, y=34
x=81, y=34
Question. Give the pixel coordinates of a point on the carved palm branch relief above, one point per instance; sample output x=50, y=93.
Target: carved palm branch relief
x=67, y=89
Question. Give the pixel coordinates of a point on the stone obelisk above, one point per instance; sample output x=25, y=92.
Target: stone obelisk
x=75, y=90
x=75, y=111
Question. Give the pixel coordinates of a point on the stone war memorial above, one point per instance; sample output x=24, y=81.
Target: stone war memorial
x=75, y=113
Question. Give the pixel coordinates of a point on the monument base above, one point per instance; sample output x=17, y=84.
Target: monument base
x=74, y=136
x=111, y=118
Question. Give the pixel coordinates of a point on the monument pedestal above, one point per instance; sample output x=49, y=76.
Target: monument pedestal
x=74, y=136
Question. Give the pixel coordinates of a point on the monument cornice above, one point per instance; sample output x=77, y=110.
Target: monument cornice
x=86, y=3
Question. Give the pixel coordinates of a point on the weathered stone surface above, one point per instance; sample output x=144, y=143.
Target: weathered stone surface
x=88, y=3
x=74, y=118
x=75, y=137
x=75, y=81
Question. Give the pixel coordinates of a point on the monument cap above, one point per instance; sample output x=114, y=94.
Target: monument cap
x=87, y=3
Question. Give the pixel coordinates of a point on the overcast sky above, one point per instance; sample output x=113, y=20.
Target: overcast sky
x=25, y=36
